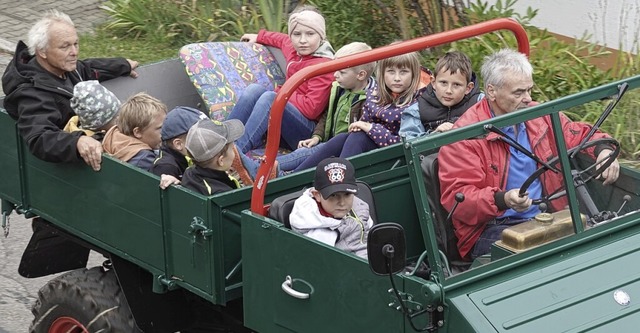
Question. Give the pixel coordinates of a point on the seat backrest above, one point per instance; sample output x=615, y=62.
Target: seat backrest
x=220, y=71
x=447, y=240
x=282, y=206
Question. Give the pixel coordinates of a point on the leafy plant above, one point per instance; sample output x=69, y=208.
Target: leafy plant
x=181, y=21
x=104, y=44
x=273, y=12
x=160, y=27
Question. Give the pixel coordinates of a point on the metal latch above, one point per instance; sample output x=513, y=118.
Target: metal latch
x=197, y=228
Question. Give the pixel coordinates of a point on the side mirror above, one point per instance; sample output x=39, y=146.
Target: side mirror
x=386, y=248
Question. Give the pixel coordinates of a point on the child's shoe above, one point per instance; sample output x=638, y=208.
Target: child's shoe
x=252, y=166
x=240, y=168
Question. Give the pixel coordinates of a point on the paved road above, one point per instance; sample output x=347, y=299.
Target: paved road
x=17, y=294
x=17, y=16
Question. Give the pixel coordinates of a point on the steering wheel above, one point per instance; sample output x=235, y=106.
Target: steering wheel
x=572, y=152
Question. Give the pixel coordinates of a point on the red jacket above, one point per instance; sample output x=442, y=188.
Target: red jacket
x=479, y=167
x=312, y=96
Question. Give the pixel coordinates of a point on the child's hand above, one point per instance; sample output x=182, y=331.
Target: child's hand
x=168, y=180
x=360, y=126
x=444, y=127
x=309, y=142
x=250, y=38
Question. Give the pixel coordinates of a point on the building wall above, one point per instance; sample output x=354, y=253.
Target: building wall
x=612, y=23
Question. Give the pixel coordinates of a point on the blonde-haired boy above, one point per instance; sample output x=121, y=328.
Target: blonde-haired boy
x=136, y=136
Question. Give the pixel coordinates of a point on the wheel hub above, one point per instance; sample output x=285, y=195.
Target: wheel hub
x=67, y=325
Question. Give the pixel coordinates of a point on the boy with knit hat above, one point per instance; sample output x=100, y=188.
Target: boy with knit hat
x=330, y=212
x=173, y=160
x=96, y=109
x=210, y=144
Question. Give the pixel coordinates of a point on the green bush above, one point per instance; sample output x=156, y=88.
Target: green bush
x=105, y=44
x=155, y=28
x=181, y=21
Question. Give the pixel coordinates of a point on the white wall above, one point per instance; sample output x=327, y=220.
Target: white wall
x=613, y=23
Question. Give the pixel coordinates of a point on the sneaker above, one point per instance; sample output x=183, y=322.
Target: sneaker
x=275, y=171
x=240, y=169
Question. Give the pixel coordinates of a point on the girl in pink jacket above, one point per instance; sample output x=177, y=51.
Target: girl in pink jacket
x=305, y=45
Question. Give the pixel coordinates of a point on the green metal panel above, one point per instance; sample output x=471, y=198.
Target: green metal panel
x=188, y=252
x=344, y=295
x=9, y=174
x=118, y=206
x=570, y=295
x=228, y=263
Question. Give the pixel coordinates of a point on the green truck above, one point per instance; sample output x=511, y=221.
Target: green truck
x=179, y=261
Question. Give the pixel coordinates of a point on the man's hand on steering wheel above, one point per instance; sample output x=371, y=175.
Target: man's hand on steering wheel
x=516, y=202
x=611, y=173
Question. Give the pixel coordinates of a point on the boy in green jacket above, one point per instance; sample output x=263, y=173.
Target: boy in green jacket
x=348, y=93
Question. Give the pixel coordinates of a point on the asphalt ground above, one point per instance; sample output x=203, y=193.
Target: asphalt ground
x=17, y=17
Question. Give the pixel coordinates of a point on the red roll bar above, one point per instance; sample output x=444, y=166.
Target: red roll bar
x=417, y=44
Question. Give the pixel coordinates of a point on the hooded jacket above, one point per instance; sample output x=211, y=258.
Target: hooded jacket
x=312, y=96
x=479, y=168
x=431, y=113
x=128, y=149
x=39, y=101
x=348, y=233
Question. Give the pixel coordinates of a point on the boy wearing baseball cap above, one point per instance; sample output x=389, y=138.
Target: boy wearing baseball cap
x=173, y=160
x=210, y=144
x=330, y=212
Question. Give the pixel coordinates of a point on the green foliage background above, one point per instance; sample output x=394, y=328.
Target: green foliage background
x=151, y=30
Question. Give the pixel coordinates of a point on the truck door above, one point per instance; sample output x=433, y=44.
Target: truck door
x=295, y=284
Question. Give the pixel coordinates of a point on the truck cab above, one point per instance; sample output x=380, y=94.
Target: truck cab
x=180, y=261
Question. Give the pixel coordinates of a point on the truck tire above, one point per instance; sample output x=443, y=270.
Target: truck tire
x=82, y=301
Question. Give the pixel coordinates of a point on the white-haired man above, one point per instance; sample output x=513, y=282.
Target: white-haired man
x=38, y=84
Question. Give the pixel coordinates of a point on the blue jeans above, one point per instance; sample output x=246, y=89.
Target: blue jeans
x=253, y=109
x=342, y=145
x=286, y=162
x=492, y=232
x=292, y=160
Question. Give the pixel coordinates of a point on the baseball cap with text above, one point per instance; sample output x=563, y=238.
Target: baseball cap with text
x=333, y=175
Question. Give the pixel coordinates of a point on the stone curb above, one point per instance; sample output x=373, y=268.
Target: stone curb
x=6, y=46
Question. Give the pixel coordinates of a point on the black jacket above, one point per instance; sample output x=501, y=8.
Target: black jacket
x=170, y=162
x=433, y=113
x=207, y=181
x=39, y=101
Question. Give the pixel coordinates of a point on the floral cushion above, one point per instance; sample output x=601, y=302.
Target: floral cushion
x=220, y=71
